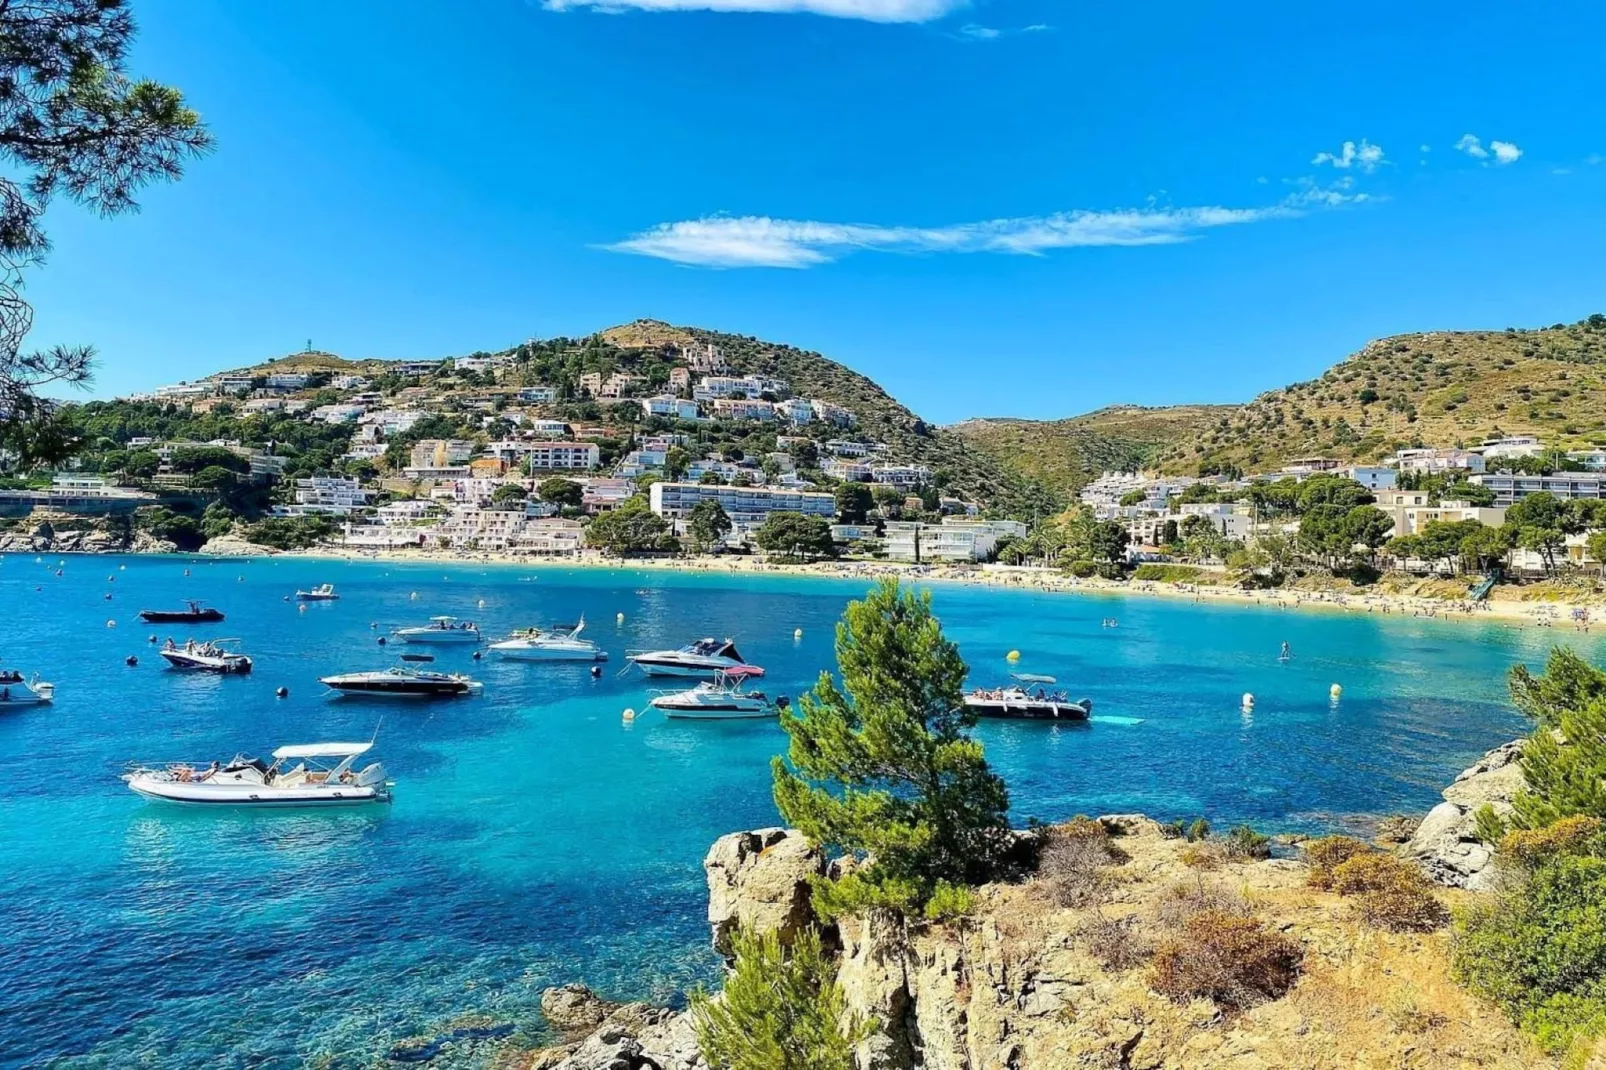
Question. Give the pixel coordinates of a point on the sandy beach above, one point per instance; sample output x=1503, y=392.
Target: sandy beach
x=1572, y=614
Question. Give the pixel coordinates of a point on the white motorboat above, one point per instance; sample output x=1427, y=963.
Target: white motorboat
x=705, y=658
x=210, y=656
x=539, y=644
x=441, y=630
x=300, y=775
x=402, y=682
x=724, y=698
x=14, y=691
x=324, y=592
x=1019, y=702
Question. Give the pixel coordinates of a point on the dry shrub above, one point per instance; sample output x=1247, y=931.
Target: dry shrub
x=1531, y=848
x=1327, y=854
x=1203, y=856
x=1228, y=959
x=1397, y=828
x=1181, y=901
x=1406, y=1015
x=1116, y=943
x=1072, y=861
x=1390, y=893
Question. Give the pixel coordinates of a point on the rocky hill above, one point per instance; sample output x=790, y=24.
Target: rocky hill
x=1064, y=455
x=1433, y=388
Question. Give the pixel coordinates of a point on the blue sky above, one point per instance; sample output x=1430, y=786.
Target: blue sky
x=1014, y=207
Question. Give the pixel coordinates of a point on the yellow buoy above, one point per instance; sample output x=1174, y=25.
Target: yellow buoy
x=1335, y=691
x=1013, y=655
x=630, y=715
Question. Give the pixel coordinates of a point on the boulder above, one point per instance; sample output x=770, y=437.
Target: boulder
x=232, y=545
x=1446, y=843
x=575, y=1009
x=759, y=881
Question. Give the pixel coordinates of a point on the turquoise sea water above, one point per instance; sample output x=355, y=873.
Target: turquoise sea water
x=535, y=837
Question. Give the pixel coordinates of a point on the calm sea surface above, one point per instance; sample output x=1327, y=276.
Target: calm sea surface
x=536, y=838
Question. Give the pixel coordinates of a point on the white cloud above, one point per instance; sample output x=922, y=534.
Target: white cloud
x=980, y=33
x=1362, y=155
x=1505, y=152
x=1473, y=147
x=870, y=10
x=759, y=241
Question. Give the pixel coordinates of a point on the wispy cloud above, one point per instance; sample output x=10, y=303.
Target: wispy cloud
x=760, y=241
x=1500, y=152
x=1363, y=156
x=974, y=32
x=869, y=10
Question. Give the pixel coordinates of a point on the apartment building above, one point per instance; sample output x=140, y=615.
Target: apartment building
x=668, y=405
x=1438, y=461
x=441, y=452
x=743, y=409
x=325, y=496
x=538, y=394
x=548, y=456
x=1510, y=488
x=746, y=506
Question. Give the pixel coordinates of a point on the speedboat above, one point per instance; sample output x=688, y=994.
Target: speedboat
x=538, y=644
x=1020, y=702
x=324, y=592
x=310, y=781
x=193, y=613
x=14, y=691
x=441, y=630
x=706, y=657
x=211, y=656
x=402, y=682
x=722, y=699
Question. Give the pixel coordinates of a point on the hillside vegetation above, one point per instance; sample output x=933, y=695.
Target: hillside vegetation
x=1439, y=388
x=1064, y=455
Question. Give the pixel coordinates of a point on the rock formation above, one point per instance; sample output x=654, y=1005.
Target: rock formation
x=1446, y=843
x=74, y=535
x=760, y=880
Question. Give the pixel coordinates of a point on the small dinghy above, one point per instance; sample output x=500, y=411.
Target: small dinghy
x=193, y=613
x=211, y=656
x=324, y=592
x=310, y=774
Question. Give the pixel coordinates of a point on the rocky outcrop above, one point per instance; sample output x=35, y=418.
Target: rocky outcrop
x=1446, y=843
x=759, y=881
x=233, y=545
x=54, y=537
x=599, y=1035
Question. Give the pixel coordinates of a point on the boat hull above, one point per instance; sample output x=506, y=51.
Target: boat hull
x=163, y=616
x=536, y=653
x=715, y=713
x=440, y=637
x=1029, y=711
x=255, y=796
x=230, y=667
x=689, y=671
x=29, y=699
x=409, y=690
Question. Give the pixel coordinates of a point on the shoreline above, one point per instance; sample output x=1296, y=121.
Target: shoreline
x=1538, y=613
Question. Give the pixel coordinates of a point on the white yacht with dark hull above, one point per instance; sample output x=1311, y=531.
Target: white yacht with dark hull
x=725, y=698
x=324, y=592
x=401, y=682
x=1019, y=702
x=704, y=658
x=311, y=774
x=541, y=644
x=15, y=691
x=211, y=656
x=441, y=630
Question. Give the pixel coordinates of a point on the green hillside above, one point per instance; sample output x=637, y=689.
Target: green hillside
x=1064, y=455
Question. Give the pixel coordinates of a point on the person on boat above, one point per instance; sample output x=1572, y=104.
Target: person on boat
x=169, y=644
x=1287, y=652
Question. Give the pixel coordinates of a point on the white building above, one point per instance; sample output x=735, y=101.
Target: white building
x=325, y=495
x=441, y=452
x=747, y=507
x=848, y=471
x=797, y=410
x=288, y=381
x=1510, y=488
x=233, y=384
x=743, y=409
x=1438, y=461
x=1410, y=519
x=1232, y=520
x=1372, y=477
x=350, y=382
x=338, y=414
x=1592, y=460
x=538, y=394
x=714, y=387
x=952, y=540
x=1510, y=446
x=901, y=475
x=412, y=369
x=670, y=406
x=548, y=456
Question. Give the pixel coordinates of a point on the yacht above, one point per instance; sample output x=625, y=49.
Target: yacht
x=722, y=699
x=401, y=682
x=1019, y=701
x=310, y=774
x=324, y=592
x=441, y=630
x=539, y=644
x=193, y=613
x=211, y=656
x=14, y=691
x=706, y=657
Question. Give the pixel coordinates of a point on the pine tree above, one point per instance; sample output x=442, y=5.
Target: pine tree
x=883, y=767
x=781, y=1010
x=1564, y=761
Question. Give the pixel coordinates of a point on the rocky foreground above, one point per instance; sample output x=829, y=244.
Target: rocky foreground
x=1028, y=982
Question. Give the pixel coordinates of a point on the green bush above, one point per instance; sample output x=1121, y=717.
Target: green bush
x=1167, y=573
x=1327, y=854
x=782, y=1010
x=1242, y=841
x=1538, y=949
x=1082, y=569
x=1199, y=830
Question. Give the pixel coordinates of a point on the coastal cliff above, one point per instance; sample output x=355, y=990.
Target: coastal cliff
x=75, y=535
x=1036, y=976
x=1446, y=843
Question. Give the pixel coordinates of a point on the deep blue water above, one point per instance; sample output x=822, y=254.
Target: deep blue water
x=535, y=837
